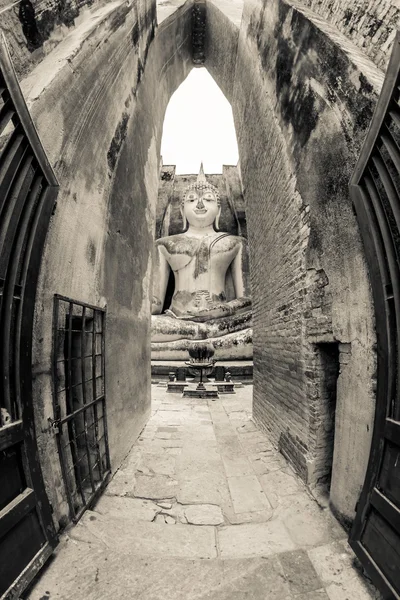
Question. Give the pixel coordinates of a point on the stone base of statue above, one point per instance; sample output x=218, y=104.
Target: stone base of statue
x=232, y=346
x=200, y=392
x=241, y=371
x=225, y=387
x=176, y=387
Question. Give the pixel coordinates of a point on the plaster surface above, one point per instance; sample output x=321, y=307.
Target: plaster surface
x=89, y=100
x=219, y=534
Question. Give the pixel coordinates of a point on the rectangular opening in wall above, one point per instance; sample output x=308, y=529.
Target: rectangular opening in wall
x=79, y=400
x=327, y=376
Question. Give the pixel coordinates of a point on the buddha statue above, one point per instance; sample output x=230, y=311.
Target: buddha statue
x=201, y=258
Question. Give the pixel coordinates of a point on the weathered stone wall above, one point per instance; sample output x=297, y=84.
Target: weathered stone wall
x=302, y=98
x=34, y=28
x=104, y=143
x=370, y=25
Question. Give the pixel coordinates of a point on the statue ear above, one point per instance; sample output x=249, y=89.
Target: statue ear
x=217, y=219
x=183, y=219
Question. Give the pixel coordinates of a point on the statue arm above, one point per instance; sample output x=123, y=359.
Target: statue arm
x=240, y=271
x=242, y=302
x=160, y=281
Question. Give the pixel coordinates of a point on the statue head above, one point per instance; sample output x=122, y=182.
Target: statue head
x=201, y=203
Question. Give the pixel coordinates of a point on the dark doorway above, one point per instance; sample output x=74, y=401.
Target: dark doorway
x=328, y=372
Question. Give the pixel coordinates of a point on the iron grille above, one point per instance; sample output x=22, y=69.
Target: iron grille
x=28, y=189
x=79, y=400
x=27, y=192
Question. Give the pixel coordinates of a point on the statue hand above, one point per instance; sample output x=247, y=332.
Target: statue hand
x=156, y=306
x=205, y=314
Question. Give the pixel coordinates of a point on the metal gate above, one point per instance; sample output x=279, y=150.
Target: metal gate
x=28, y=189
x=375, y=191
x=79, y=400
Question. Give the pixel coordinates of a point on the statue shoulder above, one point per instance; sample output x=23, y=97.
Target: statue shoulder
x=170, y=243
x=240, y=241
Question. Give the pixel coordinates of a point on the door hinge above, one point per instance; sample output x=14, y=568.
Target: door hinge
x=55, y=423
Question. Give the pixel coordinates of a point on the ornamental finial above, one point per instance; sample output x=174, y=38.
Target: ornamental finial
x=201, y=183
x=201, y=178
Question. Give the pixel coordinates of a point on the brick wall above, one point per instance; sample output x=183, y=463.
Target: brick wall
x=370, y=25
x=302, y=98
x=301, y=114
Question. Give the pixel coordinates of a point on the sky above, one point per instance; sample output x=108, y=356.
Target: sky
x=198, y=127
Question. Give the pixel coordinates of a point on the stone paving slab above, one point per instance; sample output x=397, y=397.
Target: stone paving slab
x=132, y=509
x=204, y=514
x=151, y=539
x=204, y=508
x=237, y=465
x=299, y=572
x=247, y=494
x=334, y=565
x=160, y=464
x=102, y=575
x=155, y=487
x=254, y=539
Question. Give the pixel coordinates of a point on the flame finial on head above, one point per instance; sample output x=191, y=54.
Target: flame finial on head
x=201, y=183
x=201, y=178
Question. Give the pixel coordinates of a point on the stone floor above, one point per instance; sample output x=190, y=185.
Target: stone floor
x=204, y=508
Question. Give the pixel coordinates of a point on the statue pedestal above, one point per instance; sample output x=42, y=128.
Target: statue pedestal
x=200, y=393
x=225, y=387
x=176, y=387
x=241, y=370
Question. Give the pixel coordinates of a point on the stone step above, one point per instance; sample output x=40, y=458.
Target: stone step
x=143, y=538
x=240, y=370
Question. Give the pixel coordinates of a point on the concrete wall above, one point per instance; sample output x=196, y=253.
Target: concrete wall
x=302, y=97
x=90, y=101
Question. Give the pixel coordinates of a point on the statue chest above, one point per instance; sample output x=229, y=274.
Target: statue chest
x=205, y=259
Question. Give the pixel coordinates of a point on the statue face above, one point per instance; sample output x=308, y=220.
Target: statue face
x=201, y=207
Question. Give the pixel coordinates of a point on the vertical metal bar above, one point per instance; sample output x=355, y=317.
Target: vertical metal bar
x=103, y=369
x=16, y=260
x=387, y=182
x=390, y=189
x=94, y=396
x=12, y=209
x=24, y=116
x=56, y=406
x=391, y=146
x=83, y=340
x=389, y=269
x=74, y=445
x=10, y=160
x=8, y=340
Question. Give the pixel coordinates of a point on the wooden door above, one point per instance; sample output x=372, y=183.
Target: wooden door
x=28, y=189
x=375, y=190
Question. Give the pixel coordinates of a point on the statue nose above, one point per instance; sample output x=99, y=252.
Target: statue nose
x=200, y=203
